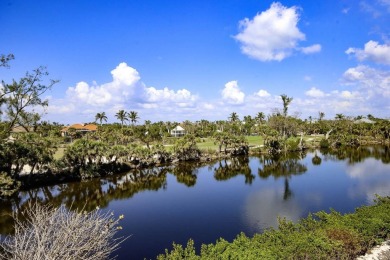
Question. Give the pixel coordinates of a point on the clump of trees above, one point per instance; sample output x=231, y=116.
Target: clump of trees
x=58, y=233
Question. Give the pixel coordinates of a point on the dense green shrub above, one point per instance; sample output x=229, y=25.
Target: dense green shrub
x=324, y=143
x=319, y=236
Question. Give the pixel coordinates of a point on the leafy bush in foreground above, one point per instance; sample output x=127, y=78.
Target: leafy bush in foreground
x=319, y=236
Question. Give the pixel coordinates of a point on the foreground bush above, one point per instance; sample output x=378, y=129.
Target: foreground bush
x=57, y=233
x=322, y=236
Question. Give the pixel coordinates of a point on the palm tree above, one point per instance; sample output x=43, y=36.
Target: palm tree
x=133, y=115
x=286, y=101
x=234, y=117
x=260, y=117
x=321, y=115
x=101, y=117
x=122, y=116
x=339, y=116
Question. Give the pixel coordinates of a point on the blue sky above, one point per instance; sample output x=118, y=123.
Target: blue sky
x=179, y=60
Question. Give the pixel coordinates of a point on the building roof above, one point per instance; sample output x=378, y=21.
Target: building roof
x=80, y=127
x=178, y=128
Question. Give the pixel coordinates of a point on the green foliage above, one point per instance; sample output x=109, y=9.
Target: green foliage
x=292, y=144
x=185, y=148
x=324, y=143
x=324, y=236
x=8, y=185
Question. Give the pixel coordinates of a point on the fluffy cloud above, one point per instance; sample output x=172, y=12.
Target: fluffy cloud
x=124, y=81
x=232, y=93
x=374, y=82
x=273, y=34
x=262, y=93
x=373, y=51
x=315, y=93
x=181, y=97
x=125, y=91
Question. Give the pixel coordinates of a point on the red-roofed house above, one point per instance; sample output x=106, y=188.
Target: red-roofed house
x=81, y=128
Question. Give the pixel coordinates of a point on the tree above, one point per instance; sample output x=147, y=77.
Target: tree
x=122, y=116
x=321, y=116
x=148, y=134
x=234, y=117
x=286, y=102
x=133, y=115
x=339, y=116
x=260, y=117
x=4, y=59
x=101, y=117
x=22, y=98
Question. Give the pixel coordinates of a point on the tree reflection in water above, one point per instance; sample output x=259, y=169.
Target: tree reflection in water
x=233, y=167
x=282, y=166
x=186, y=173
x=84, y=196
x=357, y=155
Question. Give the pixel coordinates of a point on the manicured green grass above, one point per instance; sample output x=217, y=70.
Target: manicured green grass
x=60, y=152
x=208, y=143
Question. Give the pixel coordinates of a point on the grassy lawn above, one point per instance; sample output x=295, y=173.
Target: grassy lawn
x=208, y=143
x=59, y=153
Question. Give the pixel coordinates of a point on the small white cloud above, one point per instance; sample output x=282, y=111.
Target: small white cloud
x=271, y=35
x=232, y=93
x=307, y=78
x=262, y=93
x=208, y=106
x=349, y=95
x=354, y=74
x=373, y=51
x=345, y=10
x=315, y=93
x=311, y=49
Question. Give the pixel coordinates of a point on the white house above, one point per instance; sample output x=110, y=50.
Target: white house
x=178, y=131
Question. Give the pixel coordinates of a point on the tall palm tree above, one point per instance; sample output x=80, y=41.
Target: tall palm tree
x=286, y=102
x=321, y=115
x=260, y=117
x=234, y=117
x=339, y=116
x=101, y=117
x=133, y=115
x=122, y=116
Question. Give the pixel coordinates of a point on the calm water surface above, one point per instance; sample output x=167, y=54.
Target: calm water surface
x=166, y=205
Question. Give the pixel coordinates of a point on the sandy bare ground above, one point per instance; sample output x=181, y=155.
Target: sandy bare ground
x=381, y=252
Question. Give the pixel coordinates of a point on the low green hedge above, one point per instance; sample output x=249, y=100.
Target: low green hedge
x=319, y=236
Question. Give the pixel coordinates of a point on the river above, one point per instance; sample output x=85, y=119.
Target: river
x=221, y=199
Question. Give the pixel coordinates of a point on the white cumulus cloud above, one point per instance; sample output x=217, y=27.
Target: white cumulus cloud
x=232, y=93
x=372, y=51
x=272, y=34
x=182, y=97
x=262, y=93
x=315, y=93
x=125, y=91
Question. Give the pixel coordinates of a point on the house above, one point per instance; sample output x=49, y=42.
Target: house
x=80, y=128
x=178, y=131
